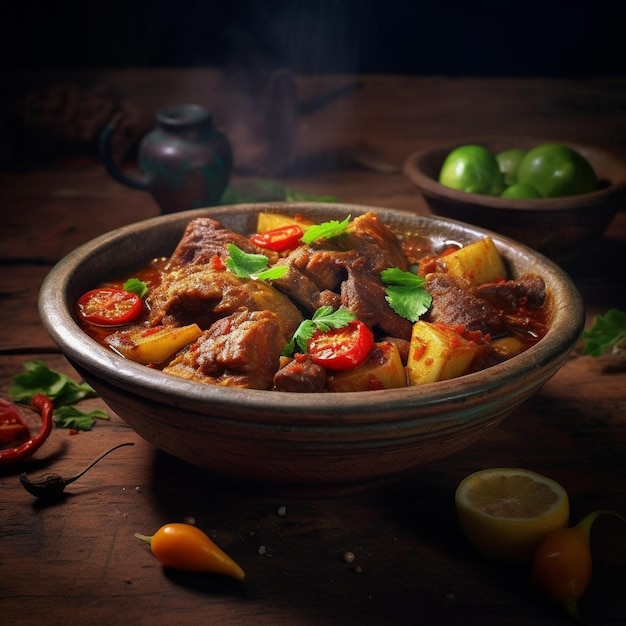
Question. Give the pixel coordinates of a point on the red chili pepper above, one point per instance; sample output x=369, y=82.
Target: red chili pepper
x=217, y=263
x=108, y=306
x=341, y=348
x=45, y=407
x=279, y=239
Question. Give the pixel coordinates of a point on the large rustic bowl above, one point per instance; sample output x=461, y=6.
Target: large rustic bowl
x=556, y=227
x=290, y=442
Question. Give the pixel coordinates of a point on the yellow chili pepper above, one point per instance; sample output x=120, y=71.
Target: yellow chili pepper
x=562, y=564
x=187, y=548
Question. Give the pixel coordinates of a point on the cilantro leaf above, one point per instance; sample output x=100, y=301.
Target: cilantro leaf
x=245, y=265
x=607, y=332
x=136, y=286
x=71, y=417
x=58, y=387
x=270, y=190
x=291, y=195
x=405, y=293
x=325, y=318
x=273, y=273
x=326, y=230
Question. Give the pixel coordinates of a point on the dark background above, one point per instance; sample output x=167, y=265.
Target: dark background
x=437, y=37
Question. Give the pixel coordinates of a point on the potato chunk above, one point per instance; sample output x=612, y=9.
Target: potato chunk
x=152, y=345
x=439, y=352
x=478, y=262
x=269, y=221
x=383, y=369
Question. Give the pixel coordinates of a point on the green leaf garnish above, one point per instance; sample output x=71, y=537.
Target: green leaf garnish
x=326, y=230
x=405, y=293
x=325, y=318
x=58, y=387
x=608, y=332
x=291, y=195
x=270, y=191
x=254, y=266
x=71, y=417
x=136, y=286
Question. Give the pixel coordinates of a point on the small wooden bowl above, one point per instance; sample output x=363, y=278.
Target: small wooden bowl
x=556, y=227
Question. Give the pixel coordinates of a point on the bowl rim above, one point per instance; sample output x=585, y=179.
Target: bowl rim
x=431, y=187
x=348, y=408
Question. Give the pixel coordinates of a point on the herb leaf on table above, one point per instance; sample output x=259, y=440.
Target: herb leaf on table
x=62, y=390
x=608, y=332
x=39, y=378
x=72, y=417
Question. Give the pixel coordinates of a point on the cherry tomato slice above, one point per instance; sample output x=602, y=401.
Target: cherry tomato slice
x=341, y=348
x=279, y=239
x=107, y=306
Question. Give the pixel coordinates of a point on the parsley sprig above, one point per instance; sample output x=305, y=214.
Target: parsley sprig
x=325, y=318
x=254, y=266
x=72, y=417
x=405, y=293
x=136, y=286
x=326, y=230
x=269, y=190
x=608, y=332
x=39, y=378
x=61, y=389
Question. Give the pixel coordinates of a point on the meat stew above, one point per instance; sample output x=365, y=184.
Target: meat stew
x=242, y=325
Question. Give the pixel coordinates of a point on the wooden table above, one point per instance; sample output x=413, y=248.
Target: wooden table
x=77, y=561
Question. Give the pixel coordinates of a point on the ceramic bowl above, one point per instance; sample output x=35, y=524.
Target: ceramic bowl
x=292, y=443
x=556, y=227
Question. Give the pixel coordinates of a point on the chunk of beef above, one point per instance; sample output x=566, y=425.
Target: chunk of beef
x=204, y=239
x=325, y=267
x=377, y=245
x=454, y=303
x=314, y=276
x=318, y=272
x=201, y=294
x=364, y=295
x=529, y=290
x=241, y=350
x=300, y=375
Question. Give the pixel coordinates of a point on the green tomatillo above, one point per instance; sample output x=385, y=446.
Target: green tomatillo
x=555, y=170
x=520, y=191
x=472, y=168
x=509, y=161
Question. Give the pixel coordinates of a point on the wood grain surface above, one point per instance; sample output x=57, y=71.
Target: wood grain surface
x=76, y=561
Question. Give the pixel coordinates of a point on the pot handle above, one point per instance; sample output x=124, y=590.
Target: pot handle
x=104, y=148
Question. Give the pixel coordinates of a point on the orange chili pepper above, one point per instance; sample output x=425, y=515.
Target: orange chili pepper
x=562, y=565
x=187, y=548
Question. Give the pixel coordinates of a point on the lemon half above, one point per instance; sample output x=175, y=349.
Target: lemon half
x=507, y=512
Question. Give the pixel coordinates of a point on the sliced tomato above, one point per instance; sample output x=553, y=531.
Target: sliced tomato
x=279, y=239
x=108, y=306
x=341, y=348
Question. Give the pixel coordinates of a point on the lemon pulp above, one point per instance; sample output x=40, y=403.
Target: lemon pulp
x=507, y=512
